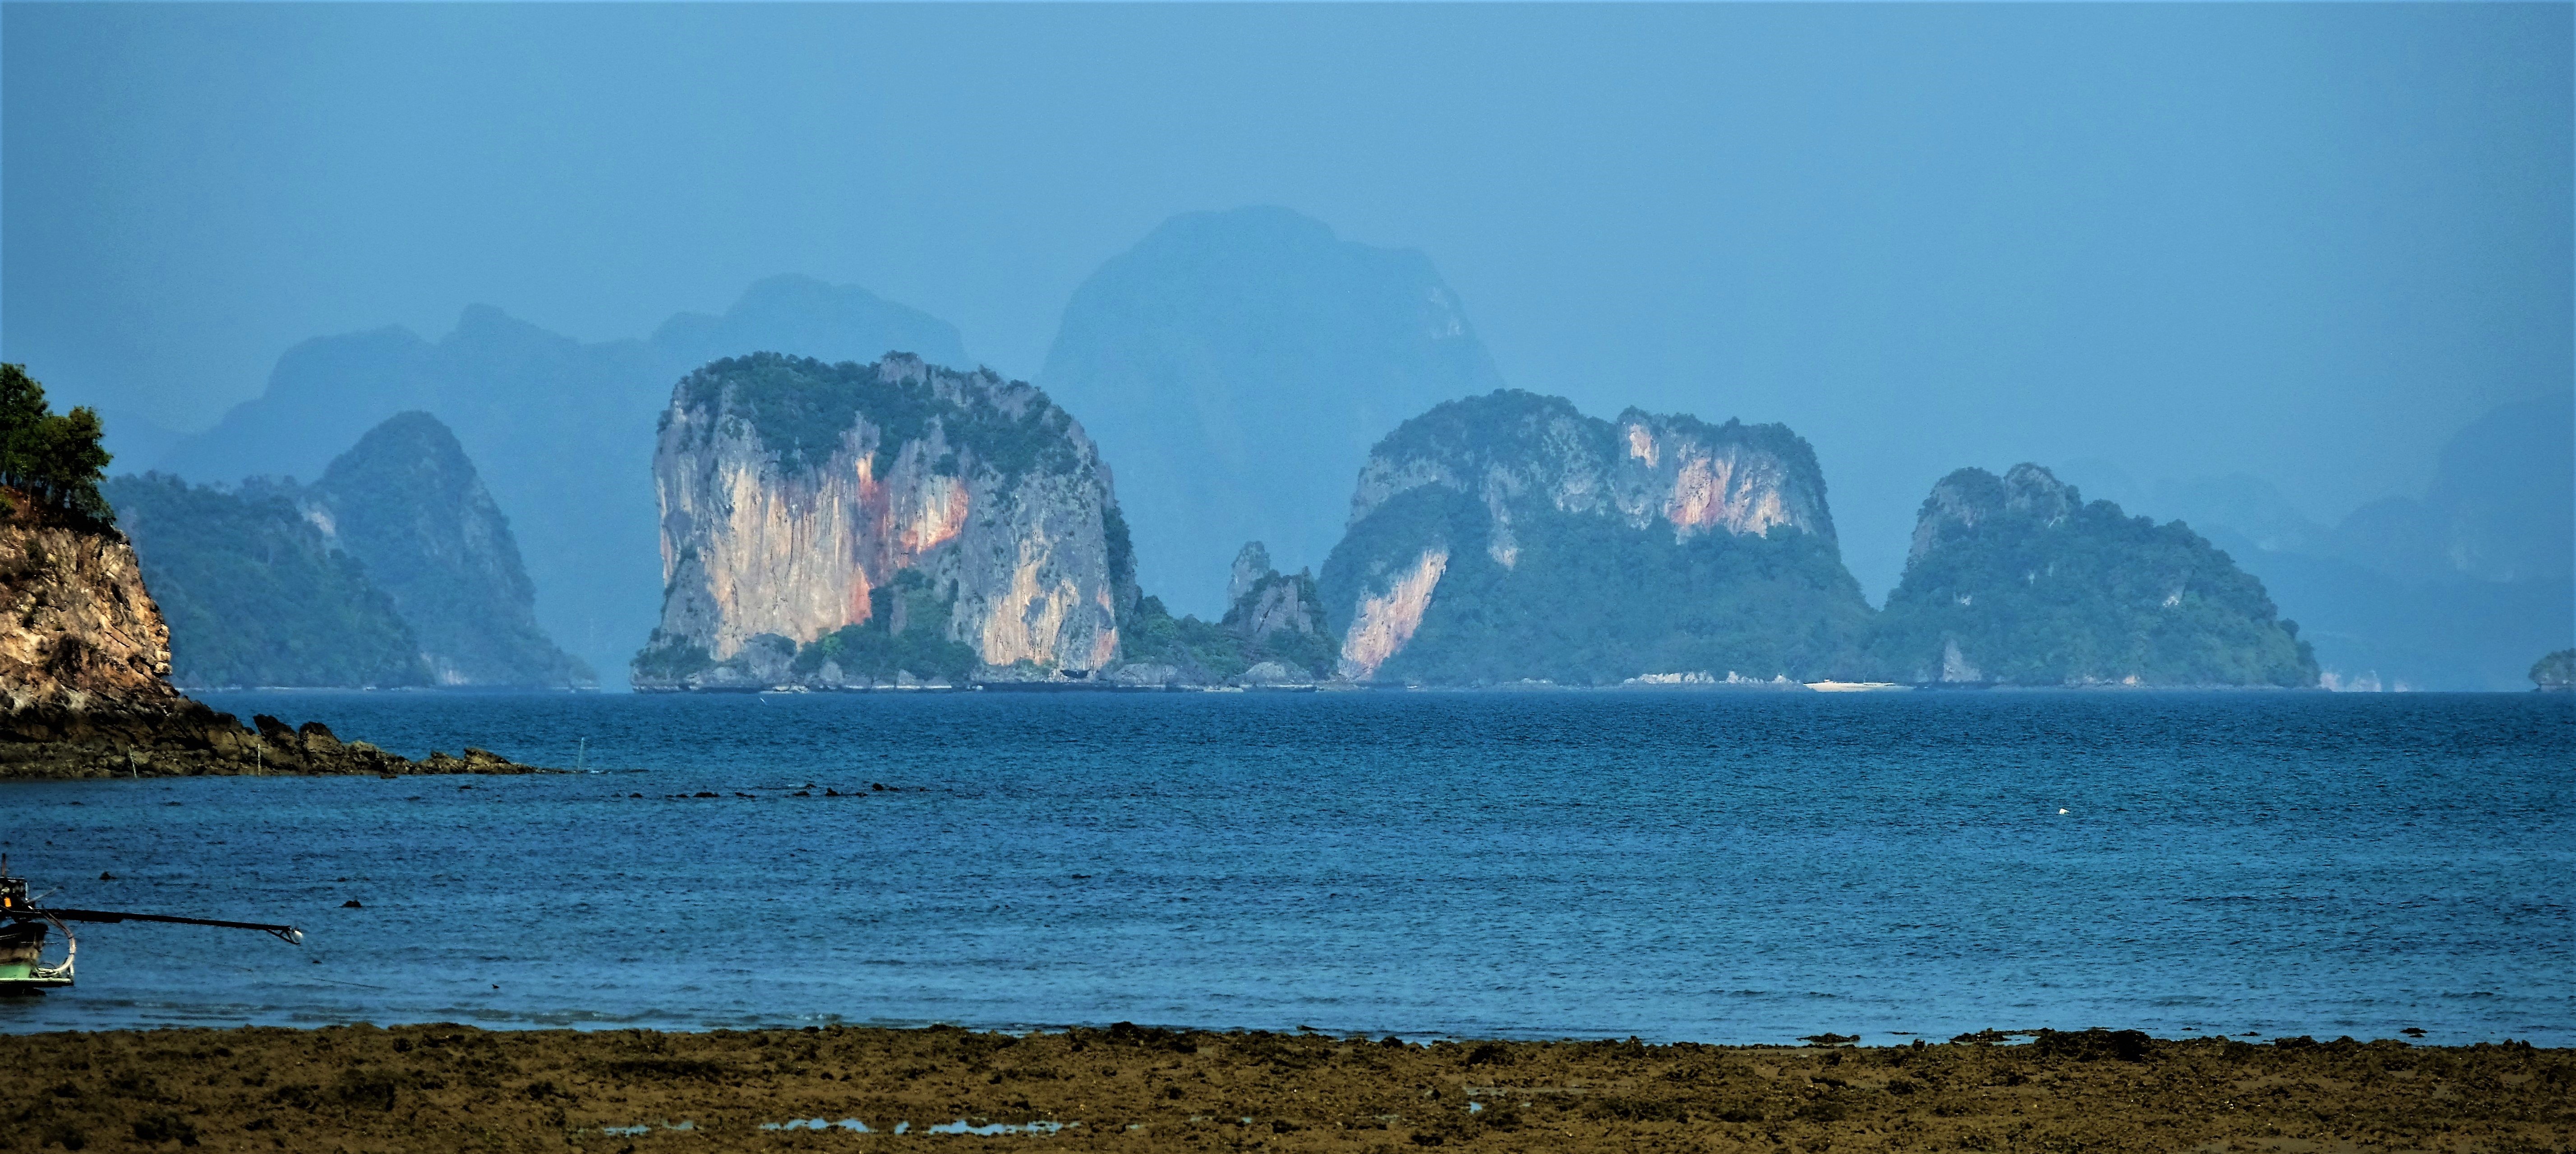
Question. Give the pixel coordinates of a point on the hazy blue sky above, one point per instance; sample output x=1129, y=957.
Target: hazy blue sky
x=2306, y=242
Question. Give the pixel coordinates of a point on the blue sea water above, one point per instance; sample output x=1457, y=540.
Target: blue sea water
x=1729, y=867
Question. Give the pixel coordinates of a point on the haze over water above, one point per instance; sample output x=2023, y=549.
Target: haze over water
x=1728, y=867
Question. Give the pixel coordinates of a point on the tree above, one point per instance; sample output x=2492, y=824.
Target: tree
x=57, y=459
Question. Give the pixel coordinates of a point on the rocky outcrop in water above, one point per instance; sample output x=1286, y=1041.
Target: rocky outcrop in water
x=1272, y=634
x=562, y=429
x=1509, y=537
x=84, y=665
x=882, y=525
x=2016, y=580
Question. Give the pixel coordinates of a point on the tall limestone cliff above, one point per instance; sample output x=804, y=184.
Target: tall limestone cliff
x=877, y=525
x=2016, y=580
x=407, y=503
x=1509, y=537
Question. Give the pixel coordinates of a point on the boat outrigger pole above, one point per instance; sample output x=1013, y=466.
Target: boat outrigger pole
x=24, y=924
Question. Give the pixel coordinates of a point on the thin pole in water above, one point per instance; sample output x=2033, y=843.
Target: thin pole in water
x=582, y=758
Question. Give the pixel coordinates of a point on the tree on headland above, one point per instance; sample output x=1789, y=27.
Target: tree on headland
x=2555, y=672
x=54, y=458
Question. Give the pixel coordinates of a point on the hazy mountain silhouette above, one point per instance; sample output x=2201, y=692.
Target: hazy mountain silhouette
x=408, y=503
x=2459, y=589
x=561, y=430
x=1235, y=367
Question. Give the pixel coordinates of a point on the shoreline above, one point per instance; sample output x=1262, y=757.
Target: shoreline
x=448, y=1087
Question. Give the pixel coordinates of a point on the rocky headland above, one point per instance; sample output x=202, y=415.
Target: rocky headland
x=85, y=663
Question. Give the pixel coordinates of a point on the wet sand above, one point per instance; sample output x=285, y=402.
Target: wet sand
x=454, y=1088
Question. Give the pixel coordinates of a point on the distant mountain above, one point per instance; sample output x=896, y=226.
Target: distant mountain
x=253, y=592
x=1237, y=366
x=563, y=430
x=408, y=504
x=1509, y=537
x=2251, y=508
x=2454, y=590
x=2501, y=508
x=135, y=440
x=2015, y=579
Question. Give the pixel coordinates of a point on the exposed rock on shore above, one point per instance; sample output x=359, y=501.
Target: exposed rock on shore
x=85, y=664
x=449, y=1087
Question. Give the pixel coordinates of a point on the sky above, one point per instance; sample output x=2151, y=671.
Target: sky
x=2304, y=242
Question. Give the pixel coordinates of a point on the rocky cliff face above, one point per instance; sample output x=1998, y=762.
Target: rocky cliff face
x=77, y=630
x=884, y=524
x=407, y=503
x=1509, y=536
x=84, y=664
x=2015, y=579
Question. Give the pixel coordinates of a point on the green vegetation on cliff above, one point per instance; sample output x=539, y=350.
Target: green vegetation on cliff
x=1272, y=617
x=907, y=633
x=802, y=407
x=1590, y=600
x=54, y=457
x=2556, y=671
x=2016, y=580
x=254, y=595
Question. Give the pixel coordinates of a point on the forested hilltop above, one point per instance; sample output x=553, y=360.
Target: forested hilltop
x=2016, y=580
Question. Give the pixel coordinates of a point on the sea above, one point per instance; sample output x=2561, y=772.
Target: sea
x=1730, y=867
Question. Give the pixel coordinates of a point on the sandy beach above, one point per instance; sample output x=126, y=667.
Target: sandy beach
x=455, y=1088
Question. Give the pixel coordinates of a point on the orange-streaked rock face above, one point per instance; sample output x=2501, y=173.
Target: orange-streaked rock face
x=1384, y=623
x=1714, y=487
x=932, y=473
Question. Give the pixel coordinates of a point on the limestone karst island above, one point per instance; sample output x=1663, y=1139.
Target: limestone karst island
x=906, y=525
